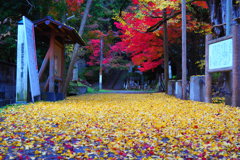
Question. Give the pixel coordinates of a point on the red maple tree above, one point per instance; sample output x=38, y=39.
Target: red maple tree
x=94, y=47
x=146, y=48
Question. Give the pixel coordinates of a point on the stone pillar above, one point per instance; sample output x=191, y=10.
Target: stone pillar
x=171, y=87
x=178, y=89
x=75, y=71
x=197, y=88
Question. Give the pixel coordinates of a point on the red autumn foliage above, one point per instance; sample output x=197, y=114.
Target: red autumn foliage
x=201, y=4
x=74, y=5
x=94, y=47
x=146, y=49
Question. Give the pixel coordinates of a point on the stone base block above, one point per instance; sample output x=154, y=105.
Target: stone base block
x=197, y=88
x=178, y=89
x=171, y=87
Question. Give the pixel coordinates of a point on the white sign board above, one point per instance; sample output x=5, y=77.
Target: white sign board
x=30, y=59
x=221, y=55
x=22, y=80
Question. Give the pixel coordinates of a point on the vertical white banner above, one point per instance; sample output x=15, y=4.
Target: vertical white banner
x=22, y=80
x=30, y=51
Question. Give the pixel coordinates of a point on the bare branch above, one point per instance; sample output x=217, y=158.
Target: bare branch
x=157, y=25
x=31, y=6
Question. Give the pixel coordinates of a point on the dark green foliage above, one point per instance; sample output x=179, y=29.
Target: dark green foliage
x=90, y=74
x=11, y=13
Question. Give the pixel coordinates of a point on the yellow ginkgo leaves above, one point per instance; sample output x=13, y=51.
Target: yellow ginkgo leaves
x=117, y=126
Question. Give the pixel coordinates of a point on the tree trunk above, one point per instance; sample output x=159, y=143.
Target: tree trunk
x=76, y=47
x=166, y=57
x=184, y=51
x=217, y=10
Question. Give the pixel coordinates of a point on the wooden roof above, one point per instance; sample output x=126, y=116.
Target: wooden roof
x=68, y=34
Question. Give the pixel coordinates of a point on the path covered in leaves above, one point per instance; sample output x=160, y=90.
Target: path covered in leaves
x=119, y=126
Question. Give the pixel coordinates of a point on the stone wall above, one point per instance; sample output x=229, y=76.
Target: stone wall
x=7, y=83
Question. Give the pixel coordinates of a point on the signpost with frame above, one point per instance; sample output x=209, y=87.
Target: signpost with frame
x=26, y=62
x=222, y=55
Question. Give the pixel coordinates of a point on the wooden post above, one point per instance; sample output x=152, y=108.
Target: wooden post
x=166, y=57
x=101, y=59
x=236, y=66
x=229, y=86
x=62, y=70
x=45, y=62
x=51, y=65
x=184, y=51
x=208, y=77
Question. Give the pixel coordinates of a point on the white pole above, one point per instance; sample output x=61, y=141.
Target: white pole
x=101, y=58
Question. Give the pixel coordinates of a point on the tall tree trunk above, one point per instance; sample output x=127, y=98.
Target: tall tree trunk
x=228, y=17
x=184, y=51
x=76, y=48
x=217, y=10
x=166, y=57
